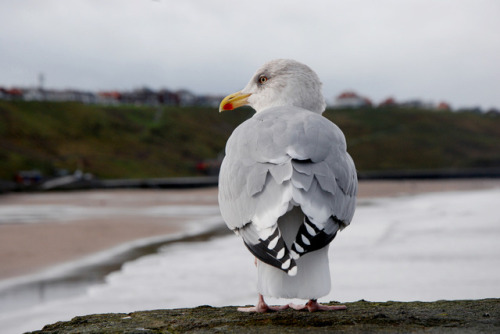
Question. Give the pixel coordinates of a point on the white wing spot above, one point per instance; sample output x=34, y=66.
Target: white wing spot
x=281, y=253
x=310, y=230
x=286, y=264
x=299, y=248
x=305, y=240
x=273, y=242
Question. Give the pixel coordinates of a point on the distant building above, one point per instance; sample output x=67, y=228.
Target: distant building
x=417, y=104
x=186, y=98
x=12, y=93
x=388, y=102
x=109, y=98
x=70, y=95
x=143, y=95
x=33, y=94
x=443, y=106
x=3, y=93
x=168, y=98
x=350, y=99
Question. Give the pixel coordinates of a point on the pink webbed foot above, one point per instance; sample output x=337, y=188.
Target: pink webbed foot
x=262, y=307
x=313, y=306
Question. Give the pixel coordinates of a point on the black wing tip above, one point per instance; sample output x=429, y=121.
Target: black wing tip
x=274, y=252
x=310, y=238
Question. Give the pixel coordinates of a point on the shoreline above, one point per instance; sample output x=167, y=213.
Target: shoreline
x=28, y=249
x=73, y=278
x=50, y=229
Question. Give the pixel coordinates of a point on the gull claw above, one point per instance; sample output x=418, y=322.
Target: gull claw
x=262, y=307
x=313, y=306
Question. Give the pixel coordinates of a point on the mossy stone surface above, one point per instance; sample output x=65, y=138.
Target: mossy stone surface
x=462, y=316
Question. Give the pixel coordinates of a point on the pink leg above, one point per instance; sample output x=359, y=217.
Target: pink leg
x=262, y=307
x=313, y=306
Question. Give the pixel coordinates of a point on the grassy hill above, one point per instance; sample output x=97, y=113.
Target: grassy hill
x=402, y=139
x=131, y=141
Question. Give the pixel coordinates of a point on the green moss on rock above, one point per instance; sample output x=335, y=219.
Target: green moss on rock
x=461, y=316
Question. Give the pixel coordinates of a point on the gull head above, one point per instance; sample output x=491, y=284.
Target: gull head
x=280, y=82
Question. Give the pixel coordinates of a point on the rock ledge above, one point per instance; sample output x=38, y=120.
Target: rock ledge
x=460, y=316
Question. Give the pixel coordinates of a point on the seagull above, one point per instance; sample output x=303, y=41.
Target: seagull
x=287, y=184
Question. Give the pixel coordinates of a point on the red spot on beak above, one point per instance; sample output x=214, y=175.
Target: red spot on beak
x=228, y=106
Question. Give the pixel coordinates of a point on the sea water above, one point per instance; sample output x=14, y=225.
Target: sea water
x=425, y=247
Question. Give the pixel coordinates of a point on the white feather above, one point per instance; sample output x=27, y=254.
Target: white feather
x=312, y=279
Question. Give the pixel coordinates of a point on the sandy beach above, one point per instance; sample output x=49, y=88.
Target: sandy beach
x=26, y=248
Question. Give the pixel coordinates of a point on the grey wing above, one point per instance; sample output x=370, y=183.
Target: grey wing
x=325, y=188
x=254, y=191
x=325, y=185
x=280, y=159
x=255, y=174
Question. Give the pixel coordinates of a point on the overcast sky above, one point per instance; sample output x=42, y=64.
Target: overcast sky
x=429, y=49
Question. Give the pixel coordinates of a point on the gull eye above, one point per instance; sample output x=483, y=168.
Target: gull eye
x=262, y=79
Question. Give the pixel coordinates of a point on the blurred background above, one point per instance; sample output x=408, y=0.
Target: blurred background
x=127, y=89
x=119, y=94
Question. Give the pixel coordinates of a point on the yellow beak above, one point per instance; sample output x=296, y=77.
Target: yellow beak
x=234, y=101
